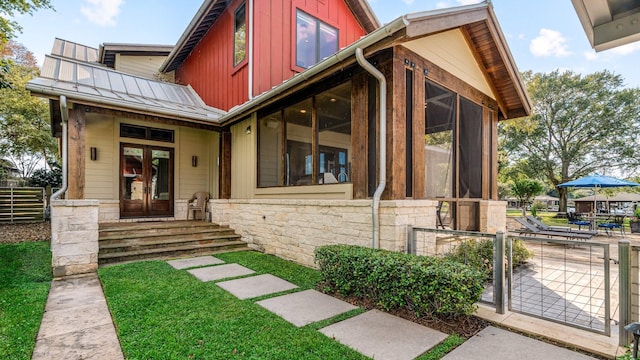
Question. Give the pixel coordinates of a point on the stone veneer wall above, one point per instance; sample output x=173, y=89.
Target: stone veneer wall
x=493, y=216
x=74, y=236
x=292, y=229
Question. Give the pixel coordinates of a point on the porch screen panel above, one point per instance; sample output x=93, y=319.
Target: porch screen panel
x=299, y=154
x=270, y=150
x=470, y=147
x=334, y=134
x=440, y=114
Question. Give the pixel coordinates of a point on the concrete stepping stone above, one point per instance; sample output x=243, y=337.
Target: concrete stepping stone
x=218, y=272
x=384, y=336
x=497, y=344
x=305, y=307
x=194, y=262
x=255, y=286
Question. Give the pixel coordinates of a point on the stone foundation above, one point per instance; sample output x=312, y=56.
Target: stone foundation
x=292, y=229
x=74, y=236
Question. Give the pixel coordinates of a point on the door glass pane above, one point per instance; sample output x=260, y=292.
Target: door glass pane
x=160, y=160
x=439, y=135
x=132, y=173
x=299, y=157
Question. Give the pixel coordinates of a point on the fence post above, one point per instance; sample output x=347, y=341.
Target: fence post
x=498, y=272
x=411, y=240
x=624, y=291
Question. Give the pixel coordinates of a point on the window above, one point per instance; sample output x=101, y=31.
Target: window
x=315, y=40
x=146, y=133
x=317, y=141
x=240, y=35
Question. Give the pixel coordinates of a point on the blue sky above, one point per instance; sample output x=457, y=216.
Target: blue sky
x=543, y=35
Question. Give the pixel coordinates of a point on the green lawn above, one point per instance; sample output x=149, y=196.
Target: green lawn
x=25, y=278
x=163, y=313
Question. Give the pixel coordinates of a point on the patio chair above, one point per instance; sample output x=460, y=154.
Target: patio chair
x=544, y=227
x=198, y=202
x=574, y=219
x=616, y=223
x=529, y=229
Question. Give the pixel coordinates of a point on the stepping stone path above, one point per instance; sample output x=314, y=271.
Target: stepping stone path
x=374, y=333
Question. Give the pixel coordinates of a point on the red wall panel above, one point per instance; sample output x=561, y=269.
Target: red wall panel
x=209, y=68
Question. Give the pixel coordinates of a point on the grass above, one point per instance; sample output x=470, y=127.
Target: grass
x=163, y=313
x=25, y=278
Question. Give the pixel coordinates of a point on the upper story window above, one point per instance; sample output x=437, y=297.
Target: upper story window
x=240, y=35
x=315, y=40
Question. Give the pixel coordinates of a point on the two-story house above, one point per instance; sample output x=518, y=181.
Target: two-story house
x=307, y=121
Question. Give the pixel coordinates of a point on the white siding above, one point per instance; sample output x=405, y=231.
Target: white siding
x=100, y=181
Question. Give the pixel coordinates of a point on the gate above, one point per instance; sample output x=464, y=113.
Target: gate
x=21, y=204
x=566, y=281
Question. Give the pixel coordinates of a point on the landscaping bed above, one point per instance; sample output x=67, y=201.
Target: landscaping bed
x=25, y=232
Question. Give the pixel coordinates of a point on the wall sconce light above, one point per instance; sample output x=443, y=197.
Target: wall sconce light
x=425, y=72
x=194, y=161
x=248, y=130
x=94, y=153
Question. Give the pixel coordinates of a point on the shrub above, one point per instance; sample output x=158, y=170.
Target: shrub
x=479, y=254
x=425, y=286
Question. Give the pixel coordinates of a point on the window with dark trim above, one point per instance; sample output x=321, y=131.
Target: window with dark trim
x=146, y=133
x=239, y=35
x=315, y=40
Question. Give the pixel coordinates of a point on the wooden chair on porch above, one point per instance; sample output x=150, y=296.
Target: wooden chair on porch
x=198, y=202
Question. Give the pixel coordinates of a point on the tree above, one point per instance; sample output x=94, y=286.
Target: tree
x=25, y=129
x=579, y=125
x=525, y=190
x=9, y=28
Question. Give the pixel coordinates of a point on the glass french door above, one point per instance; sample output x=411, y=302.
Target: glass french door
x=146, y=181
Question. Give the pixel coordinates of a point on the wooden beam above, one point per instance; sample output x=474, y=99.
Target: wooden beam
x=419, y=126
x=225, y=164
x=359, y=138
x=76, y=157
x=431, y=24
x=396, y=124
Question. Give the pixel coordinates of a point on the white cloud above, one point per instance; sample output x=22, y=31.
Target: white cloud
x=522, y=36
x=442, y=5
x=102, y=12
x=468, y=2
x=408, y=2
x=591, y=55
x=626, y=49
x=549, y=43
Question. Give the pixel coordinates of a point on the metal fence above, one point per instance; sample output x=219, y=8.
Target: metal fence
x=565, y=281
x=22, y=204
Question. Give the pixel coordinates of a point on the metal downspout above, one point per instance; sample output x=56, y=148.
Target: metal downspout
x=250, y=50
x=64, y=115
x=383, y=145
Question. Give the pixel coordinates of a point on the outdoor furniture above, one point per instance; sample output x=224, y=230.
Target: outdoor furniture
x=616, y=223
x=544, y=227
x=530, y=229
x=198, y=202
x=575, y=220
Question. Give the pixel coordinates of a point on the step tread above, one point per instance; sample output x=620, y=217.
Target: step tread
x=168, y=249
x=114, y=227
x=126, y=243
x=132, y=234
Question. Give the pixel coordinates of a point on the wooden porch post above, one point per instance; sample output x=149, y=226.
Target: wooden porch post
x=225, y=164
x=76, y=157
x=359, y=120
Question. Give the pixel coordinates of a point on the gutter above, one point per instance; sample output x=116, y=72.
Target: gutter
x=65, y=148
x=383, y=145
x=337, y=58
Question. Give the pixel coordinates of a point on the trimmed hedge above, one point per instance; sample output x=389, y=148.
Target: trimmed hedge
x=426, y=286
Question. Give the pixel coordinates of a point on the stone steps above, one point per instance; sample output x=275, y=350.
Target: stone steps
x=125, y=242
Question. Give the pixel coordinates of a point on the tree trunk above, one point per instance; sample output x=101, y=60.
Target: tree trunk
x=562, y=194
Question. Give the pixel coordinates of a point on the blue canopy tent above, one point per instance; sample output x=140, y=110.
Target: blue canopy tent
x=597, y=181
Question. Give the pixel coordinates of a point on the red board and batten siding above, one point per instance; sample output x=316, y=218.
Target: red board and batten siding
x=209, y=68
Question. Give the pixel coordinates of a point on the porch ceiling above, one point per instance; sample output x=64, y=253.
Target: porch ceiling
x=609, y=23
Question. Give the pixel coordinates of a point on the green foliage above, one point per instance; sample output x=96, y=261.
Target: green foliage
x=479, y=254
x=525, y=190
x=25, y=276
x=425, y=286
x=164, y=313
x=445, y=347
x=11, y=8
x=574, y=118
x=44, y=177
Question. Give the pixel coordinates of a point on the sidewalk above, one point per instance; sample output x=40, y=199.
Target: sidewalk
x=77, y=323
